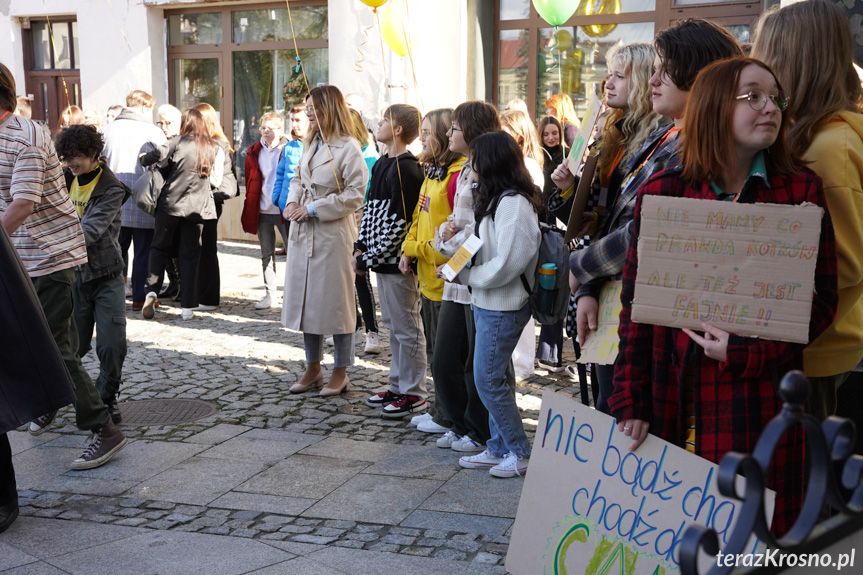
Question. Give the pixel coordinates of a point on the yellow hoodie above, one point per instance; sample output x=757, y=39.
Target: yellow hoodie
x=836, y=154
x=431, y=211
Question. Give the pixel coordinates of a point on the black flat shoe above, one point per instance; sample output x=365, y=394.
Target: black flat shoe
x=8, y=515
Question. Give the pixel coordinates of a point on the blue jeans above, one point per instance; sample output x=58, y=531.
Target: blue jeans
x=102, y=303
x=497, y=333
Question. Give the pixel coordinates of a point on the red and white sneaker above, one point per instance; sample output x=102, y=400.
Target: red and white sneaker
x=404, y=405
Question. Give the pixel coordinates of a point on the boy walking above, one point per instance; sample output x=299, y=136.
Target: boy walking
x=394, y=190
x=98, y=295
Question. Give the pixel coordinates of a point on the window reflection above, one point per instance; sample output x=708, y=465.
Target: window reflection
x=203, y=28
x=513, y=53
x=572, y=62
x=310, y=23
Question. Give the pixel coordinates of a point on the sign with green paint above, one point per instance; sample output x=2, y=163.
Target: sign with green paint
x=590, y=506
x=585, y=131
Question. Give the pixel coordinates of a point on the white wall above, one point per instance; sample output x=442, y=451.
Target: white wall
x=439, y=57
x=111, y=66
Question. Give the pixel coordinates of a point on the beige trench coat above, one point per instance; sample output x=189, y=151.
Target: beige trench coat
x=319, y=280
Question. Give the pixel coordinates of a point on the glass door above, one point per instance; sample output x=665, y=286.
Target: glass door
x=196, y=79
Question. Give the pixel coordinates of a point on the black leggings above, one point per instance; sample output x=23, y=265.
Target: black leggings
x=366, y=297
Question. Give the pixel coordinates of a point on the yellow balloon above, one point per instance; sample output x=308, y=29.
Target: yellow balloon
x=374, y=3
x=399, y=32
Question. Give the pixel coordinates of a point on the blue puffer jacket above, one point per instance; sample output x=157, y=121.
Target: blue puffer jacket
x=291, y=155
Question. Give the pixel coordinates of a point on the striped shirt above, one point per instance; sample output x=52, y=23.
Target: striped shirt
x=50, y=239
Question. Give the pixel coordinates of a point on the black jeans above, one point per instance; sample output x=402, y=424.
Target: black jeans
x=189, y=230
x=453, y=372
x=209, y=280
x=8, y=489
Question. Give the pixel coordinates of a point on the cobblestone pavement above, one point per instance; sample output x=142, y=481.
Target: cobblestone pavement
x=298, y=472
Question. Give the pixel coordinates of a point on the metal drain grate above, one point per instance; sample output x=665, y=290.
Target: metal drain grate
x=165, y=411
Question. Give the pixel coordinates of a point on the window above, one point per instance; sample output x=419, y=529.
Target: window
x=532, y=62
x=51, y=66
x=243, y=62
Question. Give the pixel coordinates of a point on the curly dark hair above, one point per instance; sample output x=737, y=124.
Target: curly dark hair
x=79, y=140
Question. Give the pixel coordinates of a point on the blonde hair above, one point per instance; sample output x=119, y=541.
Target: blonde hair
x=140, y=98
x=809, y=47
x=519, y=126
x=439, y=121
x=361, y=132
x=332, y=117
x=212, y=120
x=273, y=117
x=563, y=109
x=640, y=120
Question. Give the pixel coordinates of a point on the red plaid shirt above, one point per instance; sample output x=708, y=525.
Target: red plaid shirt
x=735, y=400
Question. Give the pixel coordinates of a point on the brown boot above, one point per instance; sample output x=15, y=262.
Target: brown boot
x=105, y=442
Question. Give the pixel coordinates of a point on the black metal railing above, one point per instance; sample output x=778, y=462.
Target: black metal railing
x=830, y=449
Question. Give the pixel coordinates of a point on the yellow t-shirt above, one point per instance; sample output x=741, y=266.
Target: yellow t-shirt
x=80, y=195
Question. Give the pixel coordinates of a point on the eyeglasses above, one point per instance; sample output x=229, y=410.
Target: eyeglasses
x=310, y=110
x=455, y=128
x=757, y=99
x=164, y=124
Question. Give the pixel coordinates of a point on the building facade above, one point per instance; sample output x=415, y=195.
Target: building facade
x=241, y=56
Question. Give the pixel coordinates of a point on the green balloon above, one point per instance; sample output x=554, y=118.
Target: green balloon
x=556, y=12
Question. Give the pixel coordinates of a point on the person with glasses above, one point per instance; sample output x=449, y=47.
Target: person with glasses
x=712, y=391
x=827, y=132
x=169, y=120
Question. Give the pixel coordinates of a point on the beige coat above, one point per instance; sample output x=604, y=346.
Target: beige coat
x=319, y=281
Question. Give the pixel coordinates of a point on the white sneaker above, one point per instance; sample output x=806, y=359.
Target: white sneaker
x=203, y=307
x=431, y=427
x=511, y=466
x=372, y=345
x=484, y=460
x=447, y=439
x=330, y=340
x=128, y=289
x=187, y=314
x=265, y=303
x=149, y=309
x=572, y=372
x=548, y=366
x=417, y=419
x=467, y=445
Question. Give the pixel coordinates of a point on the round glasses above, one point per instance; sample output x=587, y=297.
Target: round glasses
x=757, y=99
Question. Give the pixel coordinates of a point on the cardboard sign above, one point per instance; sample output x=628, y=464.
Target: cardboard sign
x=748, y=269
x=579, y=202
x=589, y=505
x=582, y=138
x=456, y=263
x=600, y=346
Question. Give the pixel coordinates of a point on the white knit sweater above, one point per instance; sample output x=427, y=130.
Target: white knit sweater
x=510, y=248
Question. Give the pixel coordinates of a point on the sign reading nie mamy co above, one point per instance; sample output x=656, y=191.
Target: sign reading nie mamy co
x=748, y=269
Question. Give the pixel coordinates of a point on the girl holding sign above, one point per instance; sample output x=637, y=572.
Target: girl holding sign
x=715, y=392
x=828, y=135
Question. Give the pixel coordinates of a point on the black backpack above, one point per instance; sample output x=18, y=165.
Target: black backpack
x=550, y=307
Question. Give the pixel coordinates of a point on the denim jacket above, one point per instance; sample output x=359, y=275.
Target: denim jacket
x=101, y=225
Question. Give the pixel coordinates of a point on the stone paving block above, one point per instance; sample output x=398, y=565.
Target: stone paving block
x=198, y=480
x=422, y=462
x=443, y=522
x=370, y=498
x=347, y=449
x=46, y=468
x=38, y=568
x=267, y=445
x=13, y=557
x=48, y=538
x=488, y=495
x=263, y=503
x=172, y=553
x=303, y=476
x=21, y=441
x=143, y=459
x=300, y=565
x=358, y=562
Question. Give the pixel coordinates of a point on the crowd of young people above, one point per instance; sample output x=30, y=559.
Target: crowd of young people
x=688, y=116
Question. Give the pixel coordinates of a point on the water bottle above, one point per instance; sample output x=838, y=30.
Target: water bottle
x=547, y=292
